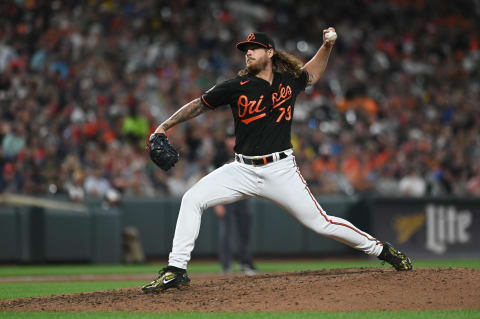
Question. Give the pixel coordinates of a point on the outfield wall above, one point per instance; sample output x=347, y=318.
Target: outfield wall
x=425, y=228
x=429, y=227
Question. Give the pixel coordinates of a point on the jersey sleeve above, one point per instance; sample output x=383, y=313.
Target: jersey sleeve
x=218, y=95
x=302, y=81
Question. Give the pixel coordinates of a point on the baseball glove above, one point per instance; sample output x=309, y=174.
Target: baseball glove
x=161, y=152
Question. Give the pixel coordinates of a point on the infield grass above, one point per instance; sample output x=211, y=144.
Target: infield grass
x=461, y=314
x=10, y=290
x=213, y=267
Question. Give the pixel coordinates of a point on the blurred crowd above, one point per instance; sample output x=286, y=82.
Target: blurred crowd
x=84, y=83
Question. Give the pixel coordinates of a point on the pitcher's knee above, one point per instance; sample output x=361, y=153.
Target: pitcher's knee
x=320, y=226
x=194, y=199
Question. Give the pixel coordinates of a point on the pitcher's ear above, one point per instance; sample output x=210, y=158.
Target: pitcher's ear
x=270, y=52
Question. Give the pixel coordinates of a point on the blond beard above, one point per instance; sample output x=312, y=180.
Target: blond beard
x=257, y=67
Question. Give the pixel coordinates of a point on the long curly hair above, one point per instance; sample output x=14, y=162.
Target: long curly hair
x=282, y=62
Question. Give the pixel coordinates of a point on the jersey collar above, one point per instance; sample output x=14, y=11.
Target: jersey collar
x=260, y=80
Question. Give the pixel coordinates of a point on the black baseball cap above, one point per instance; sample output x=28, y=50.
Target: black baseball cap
x=257, y=38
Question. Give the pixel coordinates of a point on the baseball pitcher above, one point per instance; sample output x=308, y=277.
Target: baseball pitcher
x=262, y=98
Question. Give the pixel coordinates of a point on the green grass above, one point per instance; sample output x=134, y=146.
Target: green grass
x=32, y=289
x=11, y=290
x=213, y=267
x=57, y=270
x=470, y=314
x=312, y=265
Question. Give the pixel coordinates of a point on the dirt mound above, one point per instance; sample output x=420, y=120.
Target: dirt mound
x=357, y=289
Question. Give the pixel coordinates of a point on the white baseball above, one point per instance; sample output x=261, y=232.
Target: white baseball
x=331, y=35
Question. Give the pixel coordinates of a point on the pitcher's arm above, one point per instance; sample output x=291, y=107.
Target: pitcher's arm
x=185, y=113
x=316, y=66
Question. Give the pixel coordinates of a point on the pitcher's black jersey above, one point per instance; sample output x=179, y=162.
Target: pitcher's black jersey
x=262, y=112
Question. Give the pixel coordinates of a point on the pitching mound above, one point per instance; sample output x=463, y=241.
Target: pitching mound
x=323, y=290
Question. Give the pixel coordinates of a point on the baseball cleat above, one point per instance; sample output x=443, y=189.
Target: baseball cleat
x=169, y=277
x=397, y=259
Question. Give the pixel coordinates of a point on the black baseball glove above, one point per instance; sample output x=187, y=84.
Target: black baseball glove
x=161, y=152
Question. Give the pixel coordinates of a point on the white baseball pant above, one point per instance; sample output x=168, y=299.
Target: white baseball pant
x=280, y=182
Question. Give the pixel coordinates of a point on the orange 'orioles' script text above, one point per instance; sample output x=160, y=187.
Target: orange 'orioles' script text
x=253, y=107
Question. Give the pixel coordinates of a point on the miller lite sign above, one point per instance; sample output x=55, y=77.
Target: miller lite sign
x=446, y=226
x=428, y=228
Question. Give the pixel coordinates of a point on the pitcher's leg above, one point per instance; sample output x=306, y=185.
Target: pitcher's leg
x=337, y=228
x=296, y=198
x=224, y=185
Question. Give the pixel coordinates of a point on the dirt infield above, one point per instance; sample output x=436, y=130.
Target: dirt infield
x=357, y=289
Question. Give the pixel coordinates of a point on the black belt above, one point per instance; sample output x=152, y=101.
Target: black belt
x=260, y=161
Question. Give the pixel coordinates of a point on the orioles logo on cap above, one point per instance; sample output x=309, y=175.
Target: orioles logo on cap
x=251, y=37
